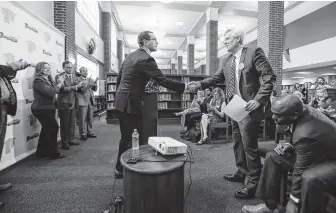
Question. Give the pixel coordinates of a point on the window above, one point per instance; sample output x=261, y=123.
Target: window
x=90, y=11
x=93, y=69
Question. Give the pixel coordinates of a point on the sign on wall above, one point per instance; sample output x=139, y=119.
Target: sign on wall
x=23, y=35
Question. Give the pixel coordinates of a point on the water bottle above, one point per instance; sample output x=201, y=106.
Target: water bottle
x=135, y=143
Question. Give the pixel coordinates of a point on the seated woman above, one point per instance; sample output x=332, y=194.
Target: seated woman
x=194, y=107
x=215, y=115
x=321, y=101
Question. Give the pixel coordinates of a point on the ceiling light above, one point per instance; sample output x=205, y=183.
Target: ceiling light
x=304, y=72
x=180, y=23
x=169, y=42
x=297, y=77
x=328, y=74
x=334, y=68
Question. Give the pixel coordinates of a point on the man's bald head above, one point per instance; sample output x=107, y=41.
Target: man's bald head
x=287, y=104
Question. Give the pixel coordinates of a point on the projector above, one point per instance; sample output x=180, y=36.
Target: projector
x=167, y=145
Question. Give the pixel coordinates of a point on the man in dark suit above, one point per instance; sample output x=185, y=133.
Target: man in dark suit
x=66, y=105
x=310, y=152
x=8, y=103
x=86, y=101
x=247, y=73
x=136, y=70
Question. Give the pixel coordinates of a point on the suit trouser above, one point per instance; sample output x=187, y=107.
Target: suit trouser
x=245, y=147
x=67, y=124
x=315, y=185
x=190, y=119
x=85, y=119
x=3, y=126
x=47, y=143
x=127, y=124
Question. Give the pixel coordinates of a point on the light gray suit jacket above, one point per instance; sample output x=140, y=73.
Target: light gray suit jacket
x=85, y=94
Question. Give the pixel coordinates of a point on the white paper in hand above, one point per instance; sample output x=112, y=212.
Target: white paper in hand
x=236, y=108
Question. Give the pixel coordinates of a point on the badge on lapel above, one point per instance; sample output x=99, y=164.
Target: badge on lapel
x=240, y=66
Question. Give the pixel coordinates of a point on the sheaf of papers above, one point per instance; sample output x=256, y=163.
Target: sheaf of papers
x=235, y=108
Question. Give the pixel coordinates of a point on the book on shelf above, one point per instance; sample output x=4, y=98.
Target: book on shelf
x=111, y=88
x=111, y=79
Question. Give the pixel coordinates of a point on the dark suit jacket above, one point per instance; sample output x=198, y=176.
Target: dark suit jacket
x=67, y=94
x=314, y=141
x=137, y=68
x=256, y=78
x=44, y=94
x=8, y=73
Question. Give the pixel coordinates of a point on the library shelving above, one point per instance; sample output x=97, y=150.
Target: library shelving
x=168, y=101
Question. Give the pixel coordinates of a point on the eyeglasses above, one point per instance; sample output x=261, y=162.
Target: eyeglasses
x=154, y=39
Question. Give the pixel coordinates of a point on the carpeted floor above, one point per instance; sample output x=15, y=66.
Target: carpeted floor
x=83, y=182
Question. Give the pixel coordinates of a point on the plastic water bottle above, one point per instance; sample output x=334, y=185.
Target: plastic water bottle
x=135, y=143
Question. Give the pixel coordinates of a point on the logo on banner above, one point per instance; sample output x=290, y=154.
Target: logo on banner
x=9, y=16
x=31, y=46
x=31, y=28
x=92, y=46
x=46, y=37
x=59, y=44
x=47, y=53
x=10, y=38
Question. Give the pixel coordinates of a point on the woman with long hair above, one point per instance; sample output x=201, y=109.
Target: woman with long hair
x=43, y=108
x=215, y=115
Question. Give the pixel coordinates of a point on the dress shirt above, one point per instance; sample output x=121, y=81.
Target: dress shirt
x=5, y=94
x=238, y=54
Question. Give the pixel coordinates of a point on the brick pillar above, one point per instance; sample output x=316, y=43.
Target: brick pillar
x=64, y=20
x=173, y=66
x=107, y=41
x=120, y=50
x=271, y=35
x=179, y=61
x=211, y=40
x=190, y=55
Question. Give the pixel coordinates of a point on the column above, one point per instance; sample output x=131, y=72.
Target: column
x=179, y=61
x=211, y=40
x=173, y=66
x=271, y=35
x=64, y=20
x=107, y=42
x=120, y=50
x=190, y=55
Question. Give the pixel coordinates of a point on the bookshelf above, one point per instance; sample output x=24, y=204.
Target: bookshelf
x=168, y=101
x=100, y=105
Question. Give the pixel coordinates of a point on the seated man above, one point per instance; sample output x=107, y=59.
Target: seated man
x=310, y=152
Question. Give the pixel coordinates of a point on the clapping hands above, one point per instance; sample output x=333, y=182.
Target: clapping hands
x=193, y=86
x=19, y=65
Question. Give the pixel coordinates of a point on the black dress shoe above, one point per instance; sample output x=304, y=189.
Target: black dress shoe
x=5, y=187
x=65, y=146
x=74, y=143
x=118, y=174
x=233, y=178
x=91, y=135
x=83, y=137
x=58, y=156
x=244, y=193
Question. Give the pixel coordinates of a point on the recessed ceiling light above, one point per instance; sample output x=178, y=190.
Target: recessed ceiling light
x=169, y=42
x=180, y=23
x=297, y=77
x=304, y=72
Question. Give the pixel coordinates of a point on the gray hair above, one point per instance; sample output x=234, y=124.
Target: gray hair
x=236, y=32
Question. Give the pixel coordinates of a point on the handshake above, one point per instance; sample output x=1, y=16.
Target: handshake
x=193, y=86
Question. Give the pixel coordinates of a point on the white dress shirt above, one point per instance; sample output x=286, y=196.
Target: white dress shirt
x=238, y=54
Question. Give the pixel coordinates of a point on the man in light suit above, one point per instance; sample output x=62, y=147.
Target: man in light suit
x=136, y=70
x=8, y=103
x=310, y=152
x=66, y=105
x=86, y=101
x=248, y=74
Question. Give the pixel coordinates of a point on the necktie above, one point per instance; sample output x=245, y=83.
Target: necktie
x=12, y=96
x=231, y=90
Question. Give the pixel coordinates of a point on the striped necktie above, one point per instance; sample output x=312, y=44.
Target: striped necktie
x=231, y=90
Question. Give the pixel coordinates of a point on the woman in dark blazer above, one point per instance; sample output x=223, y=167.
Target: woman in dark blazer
x=43, y=108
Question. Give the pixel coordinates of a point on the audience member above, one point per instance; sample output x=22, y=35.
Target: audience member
x=86, y=102
x=321, y=101
x=310, y=152
x=66, y=105
x=8, y=103
x=44, y=108
x=215, y=115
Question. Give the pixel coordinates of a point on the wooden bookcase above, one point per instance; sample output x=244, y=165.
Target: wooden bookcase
x=168, y=101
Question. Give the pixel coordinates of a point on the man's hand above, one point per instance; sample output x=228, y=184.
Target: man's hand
x=19, y=65
x=60, y=79
x=193, y=86
x=282, y=148
x=292, y=207
x=80, y=84
x=252, y=105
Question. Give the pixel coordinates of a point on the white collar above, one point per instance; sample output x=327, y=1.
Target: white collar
x=238, y=54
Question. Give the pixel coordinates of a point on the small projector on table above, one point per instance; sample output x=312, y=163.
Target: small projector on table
x=167, y=145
